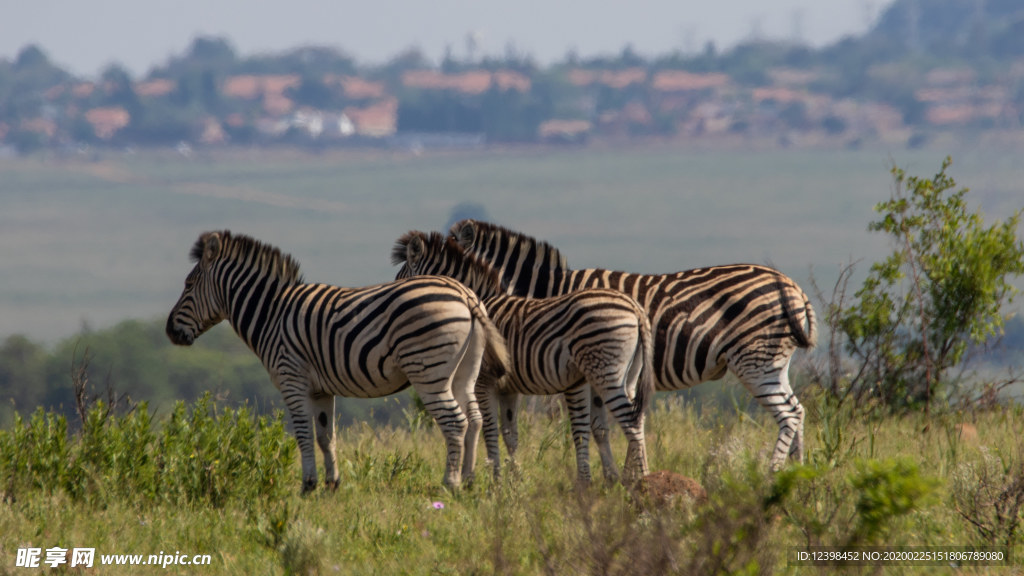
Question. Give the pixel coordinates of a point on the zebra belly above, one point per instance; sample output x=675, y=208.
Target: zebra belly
x=552, y=379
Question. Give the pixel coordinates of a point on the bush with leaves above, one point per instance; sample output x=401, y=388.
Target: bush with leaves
x=942, y=289
x=198, y=454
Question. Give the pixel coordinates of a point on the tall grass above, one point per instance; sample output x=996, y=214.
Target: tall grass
x=205, y=480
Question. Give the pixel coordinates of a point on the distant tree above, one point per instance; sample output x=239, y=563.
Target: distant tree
x=409, y=59
x=951, y=28
x=571, y=58
x=31, y=57
x=81, y=130
x=510, y=115
x=116, y=77
x=117, y=89
x=33, y=71
x=211, y=51
x=628, y=57
x=22, y=378
x=439, y=111
x=317, y=60
x=205, y=53
x=313, y=92
x=162, y=123
x=449, y=63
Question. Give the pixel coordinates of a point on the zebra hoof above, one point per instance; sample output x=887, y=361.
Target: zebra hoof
x=308, y=486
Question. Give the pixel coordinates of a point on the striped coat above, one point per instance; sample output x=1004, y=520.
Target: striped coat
x=590, y=340
x=319, y=341
x=743, y=318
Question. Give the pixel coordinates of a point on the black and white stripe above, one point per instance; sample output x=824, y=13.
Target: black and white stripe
x=590, y=340
x=743, y=318
x=319, y=341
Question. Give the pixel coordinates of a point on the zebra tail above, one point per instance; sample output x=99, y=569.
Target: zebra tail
x=805, y=337
x=496, y=358
x=812, y=323
x=645, y=385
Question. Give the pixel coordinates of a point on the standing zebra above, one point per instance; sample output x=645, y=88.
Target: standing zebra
x=592, y=341
x=745, y=318
x=319, y=341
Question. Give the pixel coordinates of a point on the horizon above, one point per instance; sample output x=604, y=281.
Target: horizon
x=124, y=35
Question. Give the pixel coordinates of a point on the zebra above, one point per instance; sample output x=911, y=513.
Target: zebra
x=744, y=318
x=319, y=341
x=593, y=340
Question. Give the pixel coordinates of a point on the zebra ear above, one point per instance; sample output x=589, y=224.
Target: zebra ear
x=211, y=246
x=465, y=234
x=414, y=249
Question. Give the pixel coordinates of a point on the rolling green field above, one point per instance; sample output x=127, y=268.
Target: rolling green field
x=97, y=241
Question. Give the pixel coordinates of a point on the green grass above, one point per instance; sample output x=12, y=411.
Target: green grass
x=108, y=240
x=869, y=480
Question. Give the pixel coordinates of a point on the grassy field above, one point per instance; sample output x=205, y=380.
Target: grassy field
x=869, y=481
x=101, y=240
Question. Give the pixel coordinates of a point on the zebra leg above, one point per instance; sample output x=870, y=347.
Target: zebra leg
x=773, y=392
x=452, y=422
x=633, y=427
x=323, y=410
x=577, y=400
x=508, y=415
x=470, y=406
x=599, y=427
x=300, y=407
x=463, y=384
x=487, y=396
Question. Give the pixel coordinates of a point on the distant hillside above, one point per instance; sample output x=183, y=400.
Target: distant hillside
x=954, y=28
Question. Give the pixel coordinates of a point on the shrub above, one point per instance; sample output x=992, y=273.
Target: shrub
x=200, y=454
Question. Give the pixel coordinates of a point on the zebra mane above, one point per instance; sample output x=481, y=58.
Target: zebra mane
x=486, y=232
x=243, y=248
x=436, y=243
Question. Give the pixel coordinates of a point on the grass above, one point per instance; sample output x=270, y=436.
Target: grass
x=882, y=480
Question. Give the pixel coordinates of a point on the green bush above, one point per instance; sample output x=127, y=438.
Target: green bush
x=198, y=454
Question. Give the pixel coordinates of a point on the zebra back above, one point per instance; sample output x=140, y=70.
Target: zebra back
x=690, y=311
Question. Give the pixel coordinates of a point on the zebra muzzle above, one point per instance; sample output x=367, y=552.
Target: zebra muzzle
x=177, y=335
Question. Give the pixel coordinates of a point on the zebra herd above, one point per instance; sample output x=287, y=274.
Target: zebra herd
x=484, y=314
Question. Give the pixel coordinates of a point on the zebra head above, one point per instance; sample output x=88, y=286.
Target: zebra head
x=200, y=306
x=410, y=251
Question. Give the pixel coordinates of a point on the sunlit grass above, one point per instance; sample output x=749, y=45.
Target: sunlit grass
x=391, y=514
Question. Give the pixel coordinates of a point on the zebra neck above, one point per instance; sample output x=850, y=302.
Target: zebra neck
x=477, y=278
x=539, y=282
x=254, y=304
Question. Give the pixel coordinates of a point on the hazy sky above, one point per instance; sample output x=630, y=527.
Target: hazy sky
x=84, y=36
